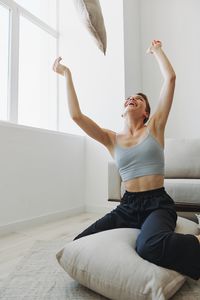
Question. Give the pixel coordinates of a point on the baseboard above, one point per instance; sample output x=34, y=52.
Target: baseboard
x=6, y=229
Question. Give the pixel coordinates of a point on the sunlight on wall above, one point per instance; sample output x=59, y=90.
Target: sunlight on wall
x=98, y=79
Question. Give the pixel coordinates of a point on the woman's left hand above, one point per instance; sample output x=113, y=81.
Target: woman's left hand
x=155, y=45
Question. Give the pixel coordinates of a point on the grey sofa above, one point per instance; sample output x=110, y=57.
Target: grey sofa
x=182, y=176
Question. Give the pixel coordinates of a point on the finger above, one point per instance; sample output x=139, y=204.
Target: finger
x=56, y=63
x=54, y=67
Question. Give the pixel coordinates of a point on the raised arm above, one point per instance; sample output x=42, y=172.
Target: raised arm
x=87, y=125
x=167, y=90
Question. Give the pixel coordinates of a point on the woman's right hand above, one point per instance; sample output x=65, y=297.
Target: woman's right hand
x=59, y=68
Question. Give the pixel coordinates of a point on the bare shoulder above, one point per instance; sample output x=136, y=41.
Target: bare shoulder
x=156, y=129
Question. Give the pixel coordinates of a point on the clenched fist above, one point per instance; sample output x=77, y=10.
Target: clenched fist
x=59, y=68
x=155, y=45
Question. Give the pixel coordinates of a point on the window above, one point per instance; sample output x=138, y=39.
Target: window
x=43, y=9
x=37, y=103
x=4, y=56
x=28, y=88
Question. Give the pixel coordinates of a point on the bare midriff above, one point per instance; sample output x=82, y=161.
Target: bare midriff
x=144, y=183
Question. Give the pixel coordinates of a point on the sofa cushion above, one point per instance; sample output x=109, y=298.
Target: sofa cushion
x=91, y=16
x=107, y=263
x=183, y=190
x=114, y=182
x=182, y=158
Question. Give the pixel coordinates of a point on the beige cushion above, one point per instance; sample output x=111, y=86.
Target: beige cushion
x=107, y=263
x=182, y=158
x=91, y=15
x=114, y=182
x=183, y=190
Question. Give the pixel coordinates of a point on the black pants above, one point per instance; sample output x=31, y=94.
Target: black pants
x=154, y=213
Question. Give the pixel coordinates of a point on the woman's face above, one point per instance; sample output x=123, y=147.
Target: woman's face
x=134, y=103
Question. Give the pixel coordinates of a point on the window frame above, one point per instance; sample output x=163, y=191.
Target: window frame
x=16, y=11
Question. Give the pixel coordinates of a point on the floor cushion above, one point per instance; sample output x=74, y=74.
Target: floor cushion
x=107, y=263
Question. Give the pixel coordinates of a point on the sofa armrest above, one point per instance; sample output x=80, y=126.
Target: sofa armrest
x=114, y=183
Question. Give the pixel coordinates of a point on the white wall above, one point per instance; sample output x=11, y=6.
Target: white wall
x=177, y=24
x=41, y=174
x=132, y=47
x=99, y=82
x=98, y=79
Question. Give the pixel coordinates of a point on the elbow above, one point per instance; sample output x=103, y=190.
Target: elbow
x=76, y=117
x=173, y=77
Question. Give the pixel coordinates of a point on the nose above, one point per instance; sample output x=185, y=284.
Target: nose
x=132, y=100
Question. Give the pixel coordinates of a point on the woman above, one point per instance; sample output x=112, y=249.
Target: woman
x=138, y=151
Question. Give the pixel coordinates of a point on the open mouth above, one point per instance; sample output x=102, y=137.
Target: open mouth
x=132, y=104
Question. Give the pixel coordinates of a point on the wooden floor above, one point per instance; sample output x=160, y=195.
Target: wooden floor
x=16, y=244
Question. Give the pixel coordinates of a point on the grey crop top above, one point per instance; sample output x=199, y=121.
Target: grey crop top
x=144, y=158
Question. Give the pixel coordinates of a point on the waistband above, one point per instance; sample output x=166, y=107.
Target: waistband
x=154, y=192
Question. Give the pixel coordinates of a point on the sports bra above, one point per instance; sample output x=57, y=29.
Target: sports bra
x=144, y=158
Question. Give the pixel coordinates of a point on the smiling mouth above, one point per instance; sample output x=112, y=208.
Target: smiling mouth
x=132, y=104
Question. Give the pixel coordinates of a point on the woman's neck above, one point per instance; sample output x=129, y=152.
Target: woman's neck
x=132, y=128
